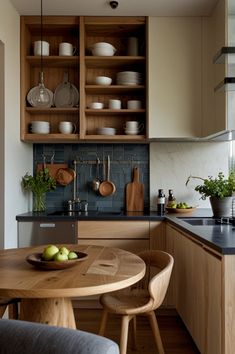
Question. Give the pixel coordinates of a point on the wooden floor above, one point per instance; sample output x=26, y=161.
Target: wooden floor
x=175, y=338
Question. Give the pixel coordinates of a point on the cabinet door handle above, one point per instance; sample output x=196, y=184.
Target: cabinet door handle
x=47, y=225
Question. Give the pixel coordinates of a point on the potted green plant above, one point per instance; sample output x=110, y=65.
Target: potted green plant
x=220, y=191
x=39, y=184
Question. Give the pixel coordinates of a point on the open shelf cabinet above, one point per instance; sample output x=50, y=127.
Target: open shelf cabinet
x=82, y=68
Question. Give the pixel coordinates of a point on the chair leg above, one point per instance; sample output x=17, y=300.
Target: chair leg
x=13, y=311
x=156, y=333
x=124, y=333
x=133, y=322
x=103, y=322
x=2, y=310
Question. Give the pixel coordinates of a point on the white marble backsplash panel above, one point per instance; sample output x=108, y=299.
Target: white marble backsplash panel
x=172, y=162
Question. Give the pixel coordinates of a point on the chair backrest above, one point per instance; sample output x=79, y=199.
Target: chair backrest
x=162, y=262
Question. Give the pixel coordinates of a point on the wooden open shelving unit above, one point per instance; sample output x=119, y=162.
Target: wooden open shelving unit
x=82, y=69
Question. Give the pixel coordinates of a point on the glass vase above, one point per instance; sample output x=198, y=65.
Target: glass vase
x=39, y=201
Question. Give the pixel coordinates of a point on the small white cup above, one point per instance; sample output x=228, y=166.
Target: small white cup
x=67, y=127
x=133, y=127
x=134, y=104
x=66, y=49
x=41, y=45
x=115, y=104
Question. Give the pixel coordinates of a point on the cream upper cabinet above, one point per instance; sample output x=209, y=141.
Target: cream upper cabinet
x=214, y=103
x=175, y=80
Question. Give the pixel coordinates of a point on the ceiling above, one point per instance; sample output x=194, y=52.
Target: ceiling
x=125, y=7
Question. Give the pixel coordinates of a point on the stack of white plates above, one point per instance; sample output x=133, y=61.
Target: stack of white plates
x=106, y=131
x=128, y=78
x=40, y=127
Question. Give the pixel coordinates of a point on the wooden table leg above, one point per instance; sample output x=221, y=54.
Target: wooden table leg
x=54, y=312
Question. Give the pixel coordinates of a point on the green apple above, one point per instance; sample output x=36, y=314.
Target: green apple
x=171, y=204
x=49, y=252
x=60, y=257
x=72, y=255
x=64, y=250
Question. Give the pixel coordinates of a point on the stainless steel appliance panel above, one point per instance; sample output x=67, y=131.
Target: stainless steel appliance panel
x=41, y=233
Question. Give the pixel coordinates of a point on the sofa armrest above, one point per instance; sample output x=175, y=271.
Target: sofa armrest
x=35, y=338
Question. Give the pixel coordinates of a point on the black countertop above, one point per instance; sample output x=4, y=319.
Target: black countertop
x=221, y=238
x=218, y=237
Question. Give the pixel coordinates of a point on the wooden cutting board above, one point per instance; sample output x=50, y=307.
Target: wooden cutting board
x=135, y=193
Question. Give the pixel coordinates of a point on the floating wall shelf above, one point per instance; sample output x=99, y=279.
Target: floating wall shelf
x=220, y=56
x=227, y=84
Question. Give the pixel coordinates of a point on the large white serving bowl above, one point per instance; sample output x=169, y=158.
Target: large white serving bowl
x=102, y=49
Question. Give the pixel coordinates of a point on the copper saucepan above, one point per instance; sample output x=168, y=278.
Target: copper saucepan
x=107, y=187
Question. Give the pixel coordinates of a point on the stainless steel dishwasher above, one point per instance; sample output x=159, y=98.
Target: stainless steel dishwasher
x=34, y=233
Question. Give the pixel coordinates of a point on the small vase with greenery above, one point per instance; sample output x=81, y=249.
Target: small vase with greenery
x=39, y=184
x=220, y=191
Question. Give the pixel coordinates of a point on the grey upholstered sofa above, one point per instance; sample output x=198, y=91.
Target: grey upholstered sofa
x=21, y=337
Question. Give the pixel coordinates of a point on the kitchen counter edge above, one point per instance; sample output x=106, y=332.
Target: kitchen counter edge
x=212, y=237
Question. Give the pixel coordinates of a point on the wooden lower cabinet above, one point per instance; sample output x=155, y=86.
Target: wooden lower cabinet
x=131, y=236
x=197, y=289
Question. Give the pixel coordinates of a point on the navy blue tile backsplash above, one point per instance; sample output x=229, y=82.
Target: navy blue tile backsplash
x=123, y=158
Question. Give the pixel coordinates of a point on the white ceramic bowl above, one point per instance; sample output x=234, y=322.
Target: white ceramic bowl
x=134, y=104
x=40, y=123
x=40, y=127
x=106, y=131
x=103, y=49
x=96, y=105
x=131, y=132
x=103, y=80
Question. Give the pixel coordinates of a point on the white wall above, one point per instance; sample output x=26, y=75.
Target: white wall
x=17, y=157
x=171, y=164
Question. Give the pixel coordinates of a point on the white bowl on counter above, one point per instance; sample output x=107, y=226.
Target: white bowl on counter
x=102, y=49
x=103, y=80
x=106, y=131
x=96, y=105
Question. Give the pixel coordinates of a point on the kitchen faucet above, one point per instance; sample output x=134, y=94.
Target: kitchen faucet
x=74, y=204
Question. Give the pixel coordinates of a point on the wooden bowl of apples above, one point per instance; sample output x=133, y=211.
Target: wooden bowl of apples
x=54, y=258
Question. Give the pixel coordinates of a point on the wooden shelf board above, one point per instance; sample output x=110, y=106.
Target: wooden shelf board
x=101, y=112
x=109, y=62
x=52, y=110
x=96, y=89
x=54, y=60
x=115, y=137
x=50, y=137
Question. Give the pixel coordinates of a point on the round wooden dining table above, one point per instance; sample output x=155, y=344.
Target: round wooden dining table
x=46, y=295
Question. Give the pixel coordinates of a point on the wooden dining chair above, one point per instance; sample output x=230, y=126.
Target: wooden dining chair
x=141, y=299
x=12, y=305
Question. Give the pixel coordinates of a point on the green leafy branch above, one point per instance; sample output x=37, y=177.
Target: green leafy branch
x=218, y=187
x=40, y=183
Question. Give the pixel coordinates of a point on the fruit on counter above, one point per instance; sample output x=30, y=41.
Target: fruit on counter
x=172, y=204
x=53, y=253
x=49, y=252
x=183, y=205
x=64, y=250
x=72, y=255
x=60, y=256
